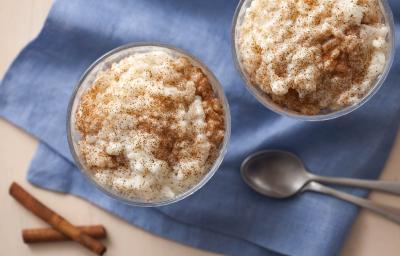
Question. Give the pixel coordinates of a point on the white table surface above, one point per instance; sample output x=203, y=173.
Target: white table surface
x=20, y=22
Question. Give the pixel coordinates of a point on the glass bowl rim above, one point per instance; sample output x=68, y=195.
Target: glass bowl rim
x=260, y=95
x=223, y=148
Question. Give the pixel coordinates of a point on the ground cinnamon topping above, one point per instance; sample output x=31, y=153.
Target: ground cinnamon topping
x=313, y=56
x=151, y=126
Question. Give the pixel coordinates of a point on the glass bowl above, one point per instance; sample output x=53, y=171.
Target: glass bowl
x=264, y=99
x=104, y=62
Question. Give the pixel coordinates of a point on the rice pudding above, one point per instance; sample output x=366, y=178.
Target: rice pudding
x=313, y=56
x=150, y=126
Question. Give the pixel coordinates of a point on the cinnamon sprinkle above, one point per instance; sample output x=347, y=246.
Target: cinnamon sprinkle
x=151, y=126
x=313, y=56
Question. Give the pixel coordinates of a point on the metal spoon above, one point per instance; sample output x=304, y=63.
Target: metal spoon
x=281, y=174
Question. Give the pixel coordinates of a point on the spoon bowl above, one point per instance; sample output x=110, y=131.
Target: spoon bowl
x=274, y=173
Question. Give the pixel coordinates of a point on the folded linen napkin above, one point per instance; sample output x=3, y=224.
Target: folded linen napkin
x=225, y=216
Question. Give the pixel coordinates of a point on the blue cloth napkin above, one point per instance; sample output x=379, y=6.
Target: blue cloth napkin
x=225, y=215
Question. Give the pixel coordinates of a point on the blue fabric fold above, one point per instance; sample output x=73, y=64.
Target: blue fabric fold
x=225, y=216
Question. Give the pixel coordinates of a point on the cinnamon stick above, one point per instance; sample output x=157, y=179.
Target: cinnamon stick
x=55, y=220
x=38, y=235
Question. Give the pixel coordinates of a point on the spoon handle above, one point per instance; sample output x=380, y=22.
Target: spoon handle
x=391, y=213
x=384, y=186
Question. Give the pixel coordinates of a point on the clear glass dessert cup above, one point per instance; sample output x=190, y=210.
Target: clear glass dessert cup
x=105, y=62
x=264, y=99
